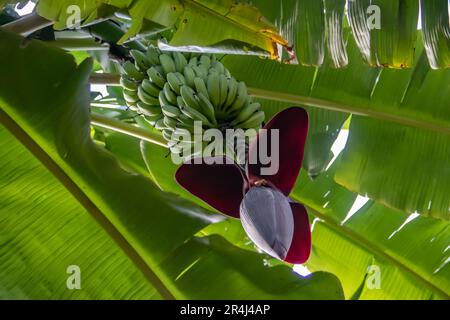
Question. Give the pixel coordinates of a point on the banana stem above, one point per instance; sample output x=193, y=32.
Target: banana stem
x=128, y=129
x=27, y=24
x=108, y=79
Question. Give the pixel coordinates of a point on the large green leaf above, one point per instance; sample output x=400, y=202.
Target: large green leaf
x=354, y=239
x=436, y=31
x=44, y=230
x=399, y=166
x=46, y=108
x=222, y=25
x=385, y=31
x=392, y=99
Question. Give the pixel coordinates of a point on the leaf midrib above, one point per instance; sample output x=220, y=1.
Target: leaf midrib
x=12, y=126
x=334, y=106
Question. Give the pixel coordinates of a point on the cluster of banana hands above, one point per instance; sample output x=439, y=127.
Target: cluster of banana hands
x=179, y=93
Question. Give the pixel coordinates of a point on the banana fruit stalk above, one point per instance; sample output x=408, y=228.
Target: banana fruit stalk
x=176, y=91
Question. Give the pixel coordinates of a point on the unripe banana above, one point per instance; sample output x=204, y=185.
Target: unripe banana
x=170, y=123
x=193, y=62
x=170, y=95
x=149, y=110
x=152, y=119
x=167, y=63
x=141, y=61
x=150, y=88
x=159, y=125
x=163, y=100
x=200, y=72
x=156, y=77
x=218, y=66
x=170, y=111
x=132, y=72
x=128, y=84
x=246, y=112
x=200, y=86
x=182, y=89
x=232, y=92
x=180, y=61
x=189, y=98
x=213, y=84
x=195, y=115
x=189, y=76
x=153, y=55
x=241, y=97
x=130, y=97
x=167, y=134
x=205, y=61
x=175, y=80
x=254, y=121
x=223, y=86
x=146, y=98
x=207, y=108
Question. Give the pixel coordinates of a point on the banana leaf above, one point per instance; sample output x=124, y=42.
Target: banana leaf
x=377, y=252
x=407, y=106
x=46, y=108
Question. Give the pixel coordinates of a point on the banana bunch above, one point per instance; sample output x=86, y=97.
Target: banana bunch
x=182, y=93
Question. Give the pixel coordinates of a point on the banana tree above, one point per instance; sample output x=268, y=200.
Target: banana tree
x=89, y=180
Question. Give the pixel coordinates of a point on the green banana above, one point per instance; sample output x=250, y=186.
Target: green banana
x=180, y=61
x=241, y=97
x=170, y=123
x=150, y=88
x=146, y=98
x=159, y=125
x=232, y=92
x=163, y=100
x=170, y=95
x=195, y=115
x=130, y=97
x=132, y=72
x=167, y=63
x=205, y=61
x=189, y=76
x=189, y=98
x=128, y=84
x=223, y=86
x=140, y=59
x=246, y=112
x=170, y=111
x=153, y=55
x=149, y=110
x=207, y=108
x=175, y=80
x=193, y=62
x=213, y=84
x=167, y=134
x=253, y=122
x=156, y=77
x=200, y=86
x=200, y=72
x=218, y=66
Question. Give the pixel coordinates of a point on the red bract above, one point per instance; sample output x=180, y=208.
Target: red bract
x=279, y=226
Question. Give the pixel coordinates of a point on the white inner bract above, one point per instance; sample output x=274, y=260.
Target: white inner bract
x=268, y=220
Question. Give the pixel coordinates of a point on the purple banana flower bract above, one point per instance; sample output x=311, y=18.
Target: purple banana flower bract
x=276, y=224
